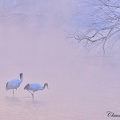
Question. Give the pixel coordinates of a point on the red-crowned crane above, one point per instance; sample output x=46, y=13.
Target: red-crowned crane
x=34, y=87
x=14, y=83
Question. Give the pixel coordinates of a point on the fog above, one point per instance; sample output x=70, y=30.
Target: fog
x=33, y=40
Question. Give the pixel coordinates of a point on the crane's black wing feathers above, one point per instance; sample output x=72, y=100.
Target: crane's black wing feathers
x=27, y=86
x=6, y=84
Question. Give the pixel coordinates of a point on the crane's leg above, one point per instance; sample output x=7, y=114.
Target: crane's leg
x=31, y=93
x=13, y=92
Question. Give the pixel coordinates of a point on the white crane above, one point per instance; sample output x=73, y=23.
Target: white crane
x=14, y=83
x=34, y=87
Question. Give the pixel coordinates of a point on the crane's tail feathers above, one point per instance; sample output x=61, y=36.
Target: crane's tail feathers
x=6, y=86
x=26, y=87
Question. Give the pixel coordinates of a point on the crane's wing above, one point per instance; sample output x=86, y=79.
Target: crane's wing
x=13, y=84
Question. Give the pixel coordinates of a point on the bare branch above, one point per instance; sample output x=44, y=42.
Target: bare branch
x=110, y=12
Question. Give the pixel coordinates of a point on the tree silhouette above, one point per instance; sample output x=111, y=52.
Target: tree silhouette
x=106, y=27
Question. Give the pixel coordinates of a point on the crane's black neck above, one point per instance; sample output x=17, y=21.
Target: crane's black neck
x=21, y=76
x=45, y=85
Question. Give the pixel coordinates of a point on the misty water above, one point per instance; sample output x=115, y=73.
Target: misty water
x=81, y=87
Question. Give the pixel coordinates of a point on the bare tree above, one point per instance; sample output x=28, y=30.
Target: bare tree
x=106, y=34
